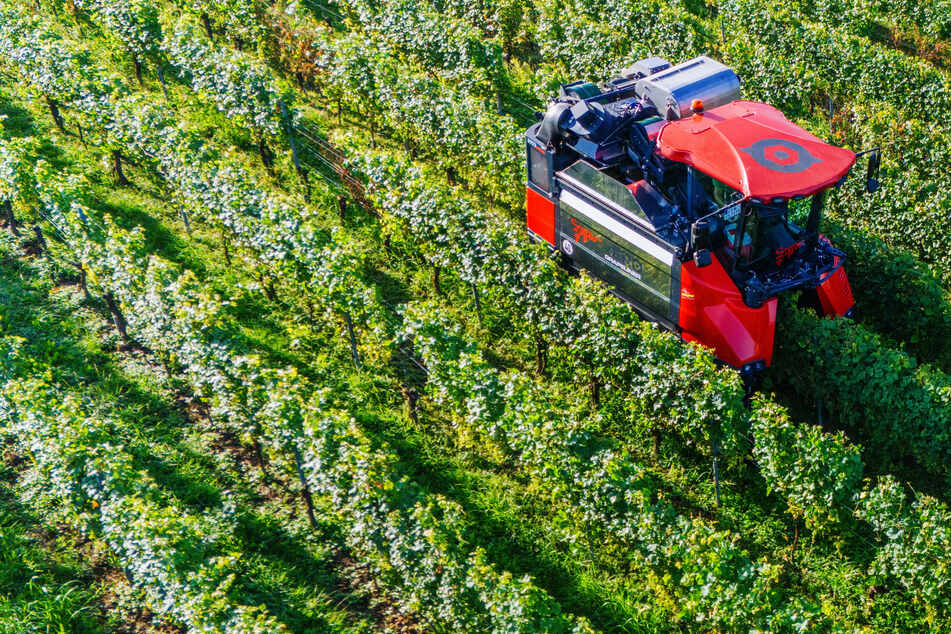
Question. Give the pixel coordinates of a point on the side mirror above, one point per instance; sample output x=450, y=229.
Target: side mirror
x=702, y=258
x=871, y=174
x=700, y=235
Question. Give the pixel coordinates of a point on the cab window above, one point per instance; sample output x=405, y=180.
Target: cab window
x=719, y=193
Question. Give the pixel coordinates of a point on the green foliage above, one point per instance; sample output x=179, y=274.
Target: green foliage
x=816, y=472
x=425, y=74
x=793, y=72
x=41, y=587
x=52, y=68
x=916, y=540
x=134, y=23
x=16, y=186
x=602, y=493
x=388, y=517
x=659, y=382
x=594, y=40
x=415, y=539
x=911, y=19
x=242, y=89
x=896, y=407
x=240, y=19
x=897, y=296
x=176, y=558
x=503, y=21
x=438, y=117
x=440, y=43
x=680, y=390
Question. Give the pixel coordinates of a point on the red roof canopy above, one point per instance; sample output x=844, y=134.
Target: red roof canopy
x=755, y=150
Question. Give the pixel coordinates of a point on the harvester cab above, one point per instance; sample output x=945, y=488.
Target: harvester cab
x=695, y=206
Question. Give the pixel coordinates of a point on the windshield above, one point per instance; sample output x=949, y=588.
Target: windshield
x=712, y=194
x=767, y=235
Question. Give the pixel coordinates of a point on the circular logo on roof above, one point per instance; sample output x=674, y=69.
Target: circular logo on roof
x=781, y=155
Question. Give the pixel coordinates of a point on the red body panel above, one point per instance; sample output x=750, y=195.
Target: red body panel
x=835, y=294
x=540, y=215
x=756, y=150
x=713, y=314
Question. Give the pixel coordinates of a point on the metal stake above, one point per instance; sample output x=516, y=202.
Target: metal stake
x=353, y=339
x=716, y=470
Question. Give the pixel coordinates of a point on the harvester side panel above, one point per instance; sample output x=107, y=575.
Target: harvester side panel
x=835, y=294
x=635, y=264
x=712, y=313
x=540, y=215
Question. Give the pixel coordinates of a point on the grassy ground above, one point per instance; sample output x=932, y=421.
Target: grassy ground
x=304, y=577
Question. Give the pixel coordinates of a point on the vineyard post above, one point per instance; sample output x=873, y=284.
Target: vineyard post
x=475, y=296
x=292, y=142
x=305, y=488
x=594, y=382
x=82, y=281
x=160, y=72
x=188, y=225
x=541, y=352
x=267, y=156
x=137, y=63
x=41, y=245
x=117, y=317
x=11, y=219
x=55, y=113
x=716, y=470
x=411, y=398
x=353, y=338
x=342, y=208
x=40, y=240
x=267, y=283
x=259, y=454
x=206, y=22
x=121, y=180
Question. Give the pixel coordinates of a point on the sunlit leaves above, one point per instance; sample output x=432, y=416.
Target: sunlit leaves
x=916, y=541
x=818, y=473
x=242, y=88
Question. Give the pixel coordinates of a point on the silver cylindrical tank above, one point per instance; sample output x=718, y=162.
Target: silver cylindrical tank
x=672, y=91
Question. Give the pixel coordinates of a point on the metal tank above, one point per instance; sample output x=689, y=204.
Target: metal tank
x=673, y=90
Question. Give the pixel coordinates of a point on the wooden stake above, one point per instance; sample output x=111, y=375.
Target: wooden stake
x=121, y=180
x=305, y=488
x=10, y=218
x=353, y=339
